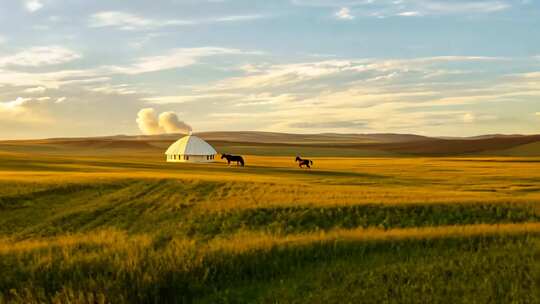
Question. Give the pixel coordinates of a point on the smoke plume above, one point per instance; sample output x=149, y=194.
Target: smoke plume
x=167, y=122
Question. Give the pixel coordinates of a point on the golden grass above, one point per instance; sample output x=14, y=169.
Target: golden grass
x=248, y=241
x=116, y=191
x=276, y=181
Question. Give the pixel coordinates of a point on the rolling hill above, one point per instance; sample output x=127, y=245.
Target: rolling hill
x=269, y=143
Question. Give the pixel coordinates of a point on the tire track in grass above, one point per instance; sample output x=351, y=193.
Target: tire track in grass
x=21, y=214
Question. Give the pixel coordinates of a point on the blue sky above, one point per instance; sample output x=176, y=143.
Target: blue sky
x=431, y=67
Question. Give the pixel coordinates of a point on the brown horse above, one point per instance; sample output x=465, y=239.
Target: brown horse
x=303, y=162
x=233, y=158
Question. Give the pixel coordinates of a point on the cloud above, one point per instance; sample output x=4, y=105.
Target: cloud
x=388, y=8
x=458, y=7
x=285, y=74
x=14, y=105
x=33, y=5
x=126, y=21
x=167, y=122
x=344, y=13
x=21, y=110
x=537, y=113
x=40, y=56
x=234, y=18
x=409, y=14
x=265, y=99
x=281, y=75
x=37, y=90
x=161, y=100
x=468, y=118
x=385, y=77
x=119, y=89
x=530, y=75
x=175, y=58
x=60, y=99
x=376, y=95
x=49, y=80
x=130, y=22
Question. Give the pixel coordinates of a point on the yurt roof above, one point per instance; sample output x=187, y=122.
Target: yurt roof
x=190, y=145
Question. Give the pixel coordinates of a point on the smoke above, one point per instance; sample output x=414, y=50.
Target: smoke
x=147, y=121
x=167, y=122
x=170, y=123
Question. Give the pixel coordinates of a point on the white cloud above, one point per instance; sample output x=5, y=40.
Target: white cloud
x=21, y=110
x=289, y=74
x=172, y=59
x=385, y=77
x=60, y=99
x=286, y=74
x=233, y=18
x=344, y=13
x=37, y=90
x=387, y=8
x=14, y=104
x=44, y=98
x=368, y=95
x=40, y=56
x=161, y=100
x=265, y=99
x=130, y=22
x=126, y=21
x=167, y=122
x=176, y=58
x=33, y=5
x=120, y=89
x=530, y=75
x=456, y=7
x=468, y=118
x=409, y=14
x=50, y=79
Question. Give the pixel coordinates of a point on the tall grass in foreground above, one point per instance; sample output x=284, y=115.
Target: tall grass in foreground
x=110, y=266
x=110, y=229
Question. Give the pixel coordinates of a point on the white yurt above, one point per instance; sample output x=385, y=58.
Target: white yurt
x=190, y=149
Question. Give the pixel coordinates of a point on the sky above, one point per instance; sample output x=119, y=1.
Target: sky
x=73, y=68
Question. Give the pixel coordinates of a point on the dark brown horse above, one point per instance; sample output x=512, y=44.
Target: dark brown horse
x=233, y=158
x=303, y=162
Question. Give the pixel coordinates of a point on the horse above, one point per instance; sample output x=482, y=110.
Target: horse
x=231, y=158
x=303, y=162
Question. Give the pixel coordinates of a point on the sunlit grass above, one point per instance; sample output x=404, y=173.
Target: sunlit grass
x=120, y=228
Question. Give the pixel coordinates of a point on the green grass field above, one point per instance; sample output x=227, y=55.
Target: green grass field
x=116, y=226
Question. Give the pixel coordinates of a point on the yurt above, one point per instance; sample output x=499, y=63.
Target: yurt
x=190, y=149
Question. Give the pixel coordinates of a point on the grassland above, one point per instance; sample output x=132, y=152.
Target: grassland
x=83, y=224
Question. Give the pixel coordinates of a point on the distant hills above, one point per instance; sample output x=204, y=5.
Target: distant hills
x=327, y=144
x=325, y=138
